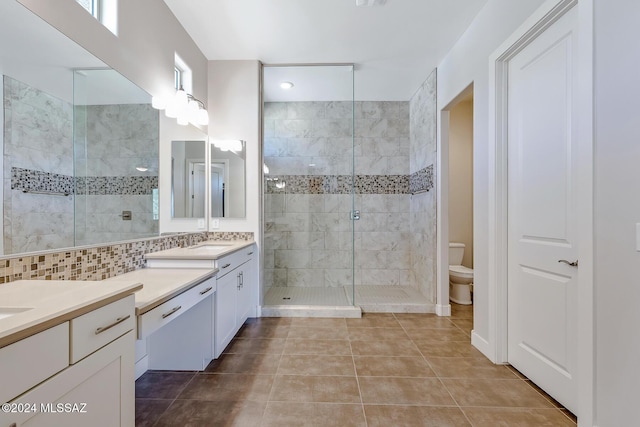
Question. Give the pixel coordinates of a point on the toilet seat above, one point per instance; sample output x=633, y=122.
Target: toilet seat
x=461, y=271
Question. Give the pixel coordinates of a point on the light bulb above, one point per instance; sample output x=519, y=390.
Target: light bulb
x=171, y=111
x=181, y=98
x=203, y=117
x=158, y=103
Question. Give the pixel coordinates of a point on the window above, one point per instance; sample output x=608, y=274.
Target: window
x=105, y=11
x=177, y=72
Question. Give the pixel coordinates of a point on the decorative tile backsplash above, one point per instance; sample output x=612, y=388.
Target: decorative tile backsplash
x=421, y=181
x=100, y=262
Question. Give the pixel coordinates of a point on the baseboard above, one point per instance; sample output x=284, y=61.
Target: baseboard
x=482, y=345
x=259, y=311
x=443, y=310
x=311, y=311
x=142, y=366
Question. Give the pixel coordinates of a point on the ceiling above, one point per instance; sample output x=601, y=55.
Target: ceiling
x=394, y=47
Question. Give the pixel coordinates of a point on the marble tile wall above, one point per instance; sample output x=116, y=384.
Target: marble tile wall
x=101, y=261
x=37, y=144
x=308, y=234
x=423, y=204
x=110, y=142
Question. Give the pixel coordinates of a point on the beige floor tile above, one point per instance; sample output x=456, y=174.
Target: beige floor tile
x=296, y=388
x=497, y=393
x=318, y=333
x=404, y=391
x=469, y=367
x=460, y=311
x=442, y=334
x=316, y=365
x=374, y=320
x=252, y=363
x=509, y=417
x=465, y=325
x=447, y=349
x=376, y=366
x=425, y=323
x=410, y=416
x=544, y=394
x=228, y=387
x=376, y=333
x=320, y=347
x=256, y=345
x=317, y=322
x=285, y=414
x=207, y=413
x=398, y=347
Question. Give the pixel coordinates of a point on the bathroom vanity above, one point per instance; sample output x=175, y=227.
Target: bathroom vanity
x=236, y=297
x=66, y=353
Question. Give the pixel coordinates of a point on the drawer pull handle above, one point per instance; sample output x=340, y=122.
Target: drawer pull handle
x=250, y=253
x=117, y=322
x=173, y=310
x=206, y=290
x=226, y=265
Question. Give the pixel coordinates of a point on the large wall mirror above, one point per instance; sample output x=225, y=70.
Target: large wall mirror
x=207, y=175
x=80, y=143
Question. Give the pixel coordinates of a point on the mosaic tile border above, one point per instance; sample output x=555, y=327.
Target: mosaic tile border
x=341, y=184
x=34, y=180
x=421, y=181
x=101, y=261
x=116, y=185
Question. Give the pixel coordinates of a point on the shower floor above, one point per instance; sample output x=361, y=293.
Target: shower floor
x=391, y=299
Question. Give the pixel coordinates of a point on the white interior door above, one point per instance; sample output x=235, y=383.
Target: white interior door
x=197, y=191
x=542, y=291
x=217, y=192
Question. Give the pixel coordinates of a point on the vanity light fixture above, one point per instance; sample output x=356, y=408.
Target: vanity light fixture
x=286, y=85
x=234, y=145
x=184, y=107
x=265, y=169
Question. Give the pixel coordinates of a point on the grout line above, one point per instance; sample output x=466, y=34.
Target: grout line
x=355, y=370
x=176, y=398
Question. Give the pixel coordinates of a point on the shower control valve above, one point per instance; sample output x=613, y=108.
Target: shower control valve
x=355, y=215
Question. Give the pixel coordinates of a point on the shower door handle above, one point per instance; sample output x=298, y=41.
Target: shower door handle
x=355, y=215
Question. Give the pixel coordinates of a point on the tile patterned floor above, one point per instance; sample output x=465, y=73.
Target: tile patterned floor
x=382, y=370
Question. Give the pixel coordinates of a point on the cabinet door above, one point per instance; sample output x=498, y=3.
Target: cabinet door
x=97, y=391
x=225, y=312
x=245, y=293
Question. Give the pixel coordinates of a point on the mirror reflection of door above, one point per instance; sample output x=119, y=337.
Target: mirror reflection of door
x=217, y=190
x=195, y=201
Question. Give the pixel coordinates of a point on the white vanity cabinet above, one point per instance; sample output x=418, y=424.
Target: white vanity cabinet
x=96, y=385
x=235, y=300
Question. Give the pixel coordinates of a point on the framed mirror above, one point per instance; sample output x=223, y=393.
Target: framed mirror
x=228, y=179
x=188, y=179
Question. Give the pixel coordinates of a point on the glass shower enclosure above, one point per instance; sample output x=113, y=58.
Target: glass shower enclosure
x=308, y=153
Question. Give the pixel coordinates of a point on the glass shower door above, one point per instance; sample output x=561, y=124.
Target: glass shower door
x=308, y=186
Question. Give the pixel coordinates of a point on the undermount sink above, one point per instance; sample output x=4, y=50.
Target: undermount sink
x=12, y=311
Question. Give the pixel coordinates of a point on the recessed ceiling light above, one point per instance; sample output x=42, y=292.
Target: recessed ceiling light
x=286, y=85
x=142, y=168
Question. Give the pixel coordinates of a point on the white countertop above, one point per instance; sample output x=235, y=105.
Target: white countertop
x=209, y=250
x=52, y=302
x=161, y=284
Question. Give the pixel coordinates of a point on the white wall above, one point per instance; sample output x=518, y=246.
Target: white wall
x=466, y=63
x=149, y=36
x=461, y=178
x=617, y=210
x=234, y=107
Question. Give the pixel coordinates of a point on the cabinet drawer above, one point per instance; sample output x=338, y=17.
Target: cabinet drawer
x=99, y=327
x=234, y=260
x=154, y=319
x=22, y=364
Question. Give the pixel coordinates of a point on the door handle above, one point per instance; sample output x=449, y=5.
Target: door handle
x=572, y=264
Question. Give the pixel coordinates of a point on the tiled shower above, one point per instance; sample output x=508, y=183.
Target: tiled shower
x=314, y=254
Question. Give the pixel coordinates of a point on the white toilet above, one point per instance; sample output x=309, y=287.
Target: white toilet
x=460, y=277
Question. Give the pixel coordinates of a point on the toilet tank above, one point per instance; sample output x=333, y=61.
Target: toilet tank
x=456, y=252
